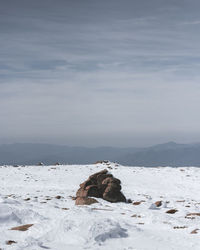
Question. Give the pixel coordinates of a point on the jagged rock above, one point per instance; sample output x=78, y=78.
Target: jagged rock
x=101, y=185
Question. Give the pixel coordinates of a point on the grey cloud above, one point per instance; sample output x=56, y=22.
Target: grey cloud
x=105, y=71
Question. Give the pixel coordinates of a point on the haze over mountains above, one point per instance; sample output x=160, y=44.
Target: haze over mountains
x=168, y=154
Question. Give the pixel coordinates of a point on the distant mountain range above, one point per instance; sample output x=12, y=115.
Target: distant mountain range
x=168, y=154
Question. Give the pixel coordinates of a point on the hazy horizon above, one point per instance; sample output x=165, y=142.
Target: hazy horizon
x=91, y=73
x=101, y=146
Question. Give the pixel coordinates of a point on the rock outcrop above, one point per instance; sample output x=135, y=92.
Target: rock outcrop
x=101, y=185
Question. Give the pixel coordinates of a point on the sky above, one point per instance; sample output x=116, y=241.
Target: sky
x=99, y=72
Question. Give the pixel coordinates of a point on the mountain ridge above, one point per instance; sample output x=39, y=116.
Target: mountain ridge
x=165, y=154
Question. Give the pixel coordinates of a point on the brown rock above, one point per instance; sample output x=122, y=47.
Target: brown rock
x=101, y=177
x=158, y=203
x=111, y=180
x=85, y=201
x=58, y=197
x=10, y=242
x=93, y=191
x=112, y=187
x=113, y=195
x=136, y=203
x=195, y=231
x=93, y=176
x=86, y=183
x=22, y=228
x=193, y=214
x=172, y=211
x=82, y=192
x=102, y=185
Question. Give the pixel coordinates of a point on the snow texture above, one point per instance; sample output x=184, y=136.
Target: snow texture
x=28, y=196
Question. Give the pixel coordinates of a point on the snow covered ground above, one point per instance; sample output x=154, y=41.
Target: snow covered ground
x=30, y=195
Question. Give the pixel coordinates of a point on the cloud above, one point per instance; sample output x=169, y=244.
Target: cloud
x=194, y=22
x=70, y=71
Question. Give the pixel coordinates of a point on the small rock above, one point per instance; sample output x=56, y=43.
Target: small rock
x=101, y=162
x=172, y=211
x=129, y=201
x=22, y=228
x=179, y=227
x=58, y=197
x=136, y=203
x=195, y=231
x=10, y=242
x=136, y=216
x=193, y=214
x=158, y=203
x=27, y=199
x=40, y=164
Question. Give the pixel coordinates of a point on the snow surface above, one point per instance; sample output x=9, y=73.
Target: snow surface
x=103, y=225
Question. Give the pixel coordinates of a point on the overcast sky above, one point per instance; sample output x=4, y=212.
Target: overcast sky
x=99, y=72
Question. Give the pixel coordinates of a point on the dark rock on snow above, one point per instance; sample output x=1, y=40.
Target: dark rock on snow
x=100, y=185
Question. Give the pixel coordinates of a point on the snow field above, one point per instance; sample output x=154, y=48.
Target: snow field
x=41, y=195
